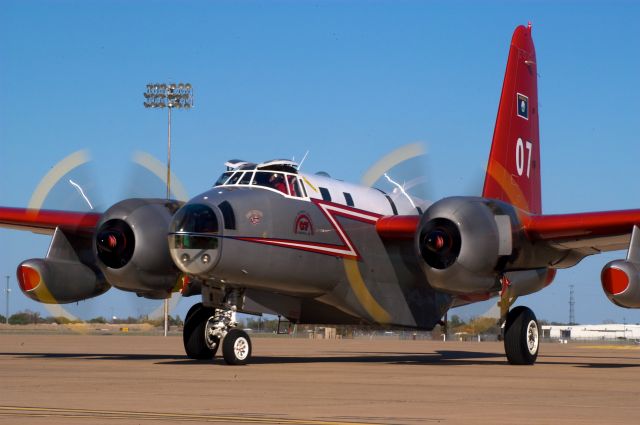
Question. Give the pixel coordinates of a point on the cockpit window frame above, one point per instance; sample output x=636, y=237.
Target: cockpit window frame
x=287, y=175
x=243, y=182
x=234, y=179
x=220, y=182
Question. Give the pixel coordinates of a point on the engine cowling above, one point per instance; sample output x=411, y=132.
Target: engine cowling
x=131, y=246
x=59, y=282
x=463, y=242
x=621, y=283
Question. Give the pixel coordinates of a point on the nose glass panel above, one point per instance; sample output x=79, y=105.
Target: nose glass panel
x=195, y=218
x=194, y=239
x=194, y=227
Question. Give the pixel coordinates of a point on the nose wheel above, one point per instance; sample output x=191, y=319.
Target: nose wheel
x=236, y=347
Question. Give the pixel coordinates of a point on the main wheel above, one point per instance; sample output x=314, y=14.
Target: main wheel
x=194, y=308
x=236, y=347
x=198, y=343
x=521, y=336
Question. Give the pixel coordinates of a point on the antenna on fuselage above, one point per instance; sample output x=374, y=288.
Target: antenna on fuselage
x=303, y=158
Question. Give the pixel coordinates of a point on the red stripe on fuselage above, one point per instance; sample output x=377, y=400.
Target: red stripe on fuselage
x=331, y=211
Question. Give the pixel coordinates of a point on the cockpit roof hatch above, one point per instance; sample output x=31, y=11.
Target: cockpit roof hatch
x=282, y=165
x=279, y=165
x=234, y=164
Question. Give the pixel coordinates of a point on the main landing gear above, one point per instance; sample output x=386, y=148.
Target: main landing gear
x=206, y=328
x=521, y=336
x=521, y=331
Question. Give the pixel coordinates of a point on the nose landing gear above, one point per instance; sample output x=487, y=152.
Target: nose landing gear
x=206, y=328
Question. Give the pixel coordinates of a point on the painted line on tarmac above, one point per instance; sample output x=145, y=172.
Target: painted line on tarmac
x=611, y=347
x=119, y=414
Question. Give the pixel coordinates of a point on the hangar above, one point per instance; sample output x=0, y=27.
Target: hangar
x=614, y=331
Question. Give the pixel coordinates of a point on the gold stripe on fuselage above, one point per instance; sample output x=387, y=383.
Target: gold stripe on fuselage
x=361, y=291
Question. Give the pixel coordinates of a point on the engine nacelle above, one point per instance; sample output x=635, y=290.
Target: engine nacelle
x=58, y=281
x=131, y=246
x=462, y=241
x=621, y=283
x=525, y=282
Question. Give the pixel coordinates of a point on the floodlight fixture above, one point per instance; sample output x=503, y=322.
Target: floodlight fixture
x=169, y=95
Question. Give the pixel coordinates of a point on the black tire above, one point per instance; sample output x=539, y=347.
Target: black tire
x=521, y=336
x=193, y=335
x=236, y=347
x=193, y=309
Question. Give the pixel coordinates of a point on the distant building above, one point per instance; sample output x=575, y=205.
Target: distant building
x=592, y=332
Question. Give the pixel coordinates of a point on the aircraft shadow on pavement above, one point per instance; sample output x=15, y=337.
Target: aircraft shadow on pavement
x=95, y=356
x=441, y=357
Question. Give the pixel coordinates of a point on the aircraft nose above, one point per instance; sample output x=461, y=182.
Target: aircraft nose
x=195, y=238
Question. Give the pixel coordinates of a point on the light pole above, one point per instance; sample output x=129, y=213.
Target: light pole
x=6, y=319
x=168, y=95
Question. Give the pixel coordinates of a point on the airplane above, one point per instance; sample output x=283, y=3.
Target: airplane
x=267, y=238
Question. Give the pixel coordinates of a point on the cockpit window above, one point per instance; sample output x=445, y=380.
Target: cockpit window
x=246, y=179
x=223, y=178
x=294, y=186
x=273, y=180
x=235, y=177
x=262, y=178
x=278, y=175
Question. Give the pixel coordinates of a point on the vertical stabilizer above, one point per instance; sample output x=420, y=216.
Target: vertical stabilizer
x=513, y=171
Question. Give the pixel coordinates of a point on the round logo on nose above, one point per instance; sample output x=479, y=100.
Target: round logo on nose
x=254, y=216
x=303, y=224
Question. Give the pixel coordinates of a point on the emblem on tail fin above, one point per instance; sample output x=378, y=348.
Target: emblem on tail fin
x=523, y=106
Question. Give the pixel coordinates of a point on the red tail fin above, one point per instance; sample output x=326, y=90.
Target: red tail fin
x=513, y=171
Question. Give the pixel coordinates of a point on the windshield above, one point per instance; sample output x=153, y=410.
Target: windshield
x=284, y=182
x=223, y=178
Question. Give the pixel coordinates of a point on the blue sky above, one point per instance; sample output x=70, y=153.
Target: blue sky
x=348, y=81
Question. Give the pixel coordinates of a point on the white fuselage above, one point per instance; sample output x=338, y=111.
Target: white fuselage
x=363, y=197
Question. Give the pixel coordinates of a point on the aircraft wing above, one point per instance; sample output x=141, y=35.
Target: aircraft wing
x=587, y=233
x=398, y=226
x=46, y=221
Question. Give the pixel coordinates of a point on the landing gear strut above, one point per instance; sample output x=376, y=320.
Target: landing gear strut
x=206, y=328
x=521, y=330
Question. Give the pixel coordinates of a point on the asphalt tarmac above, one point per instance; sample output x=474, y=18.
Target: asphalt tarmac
x=81, y=379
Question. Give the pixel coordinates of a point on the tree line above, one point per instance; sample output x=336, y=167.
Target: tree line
x=28, y=317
